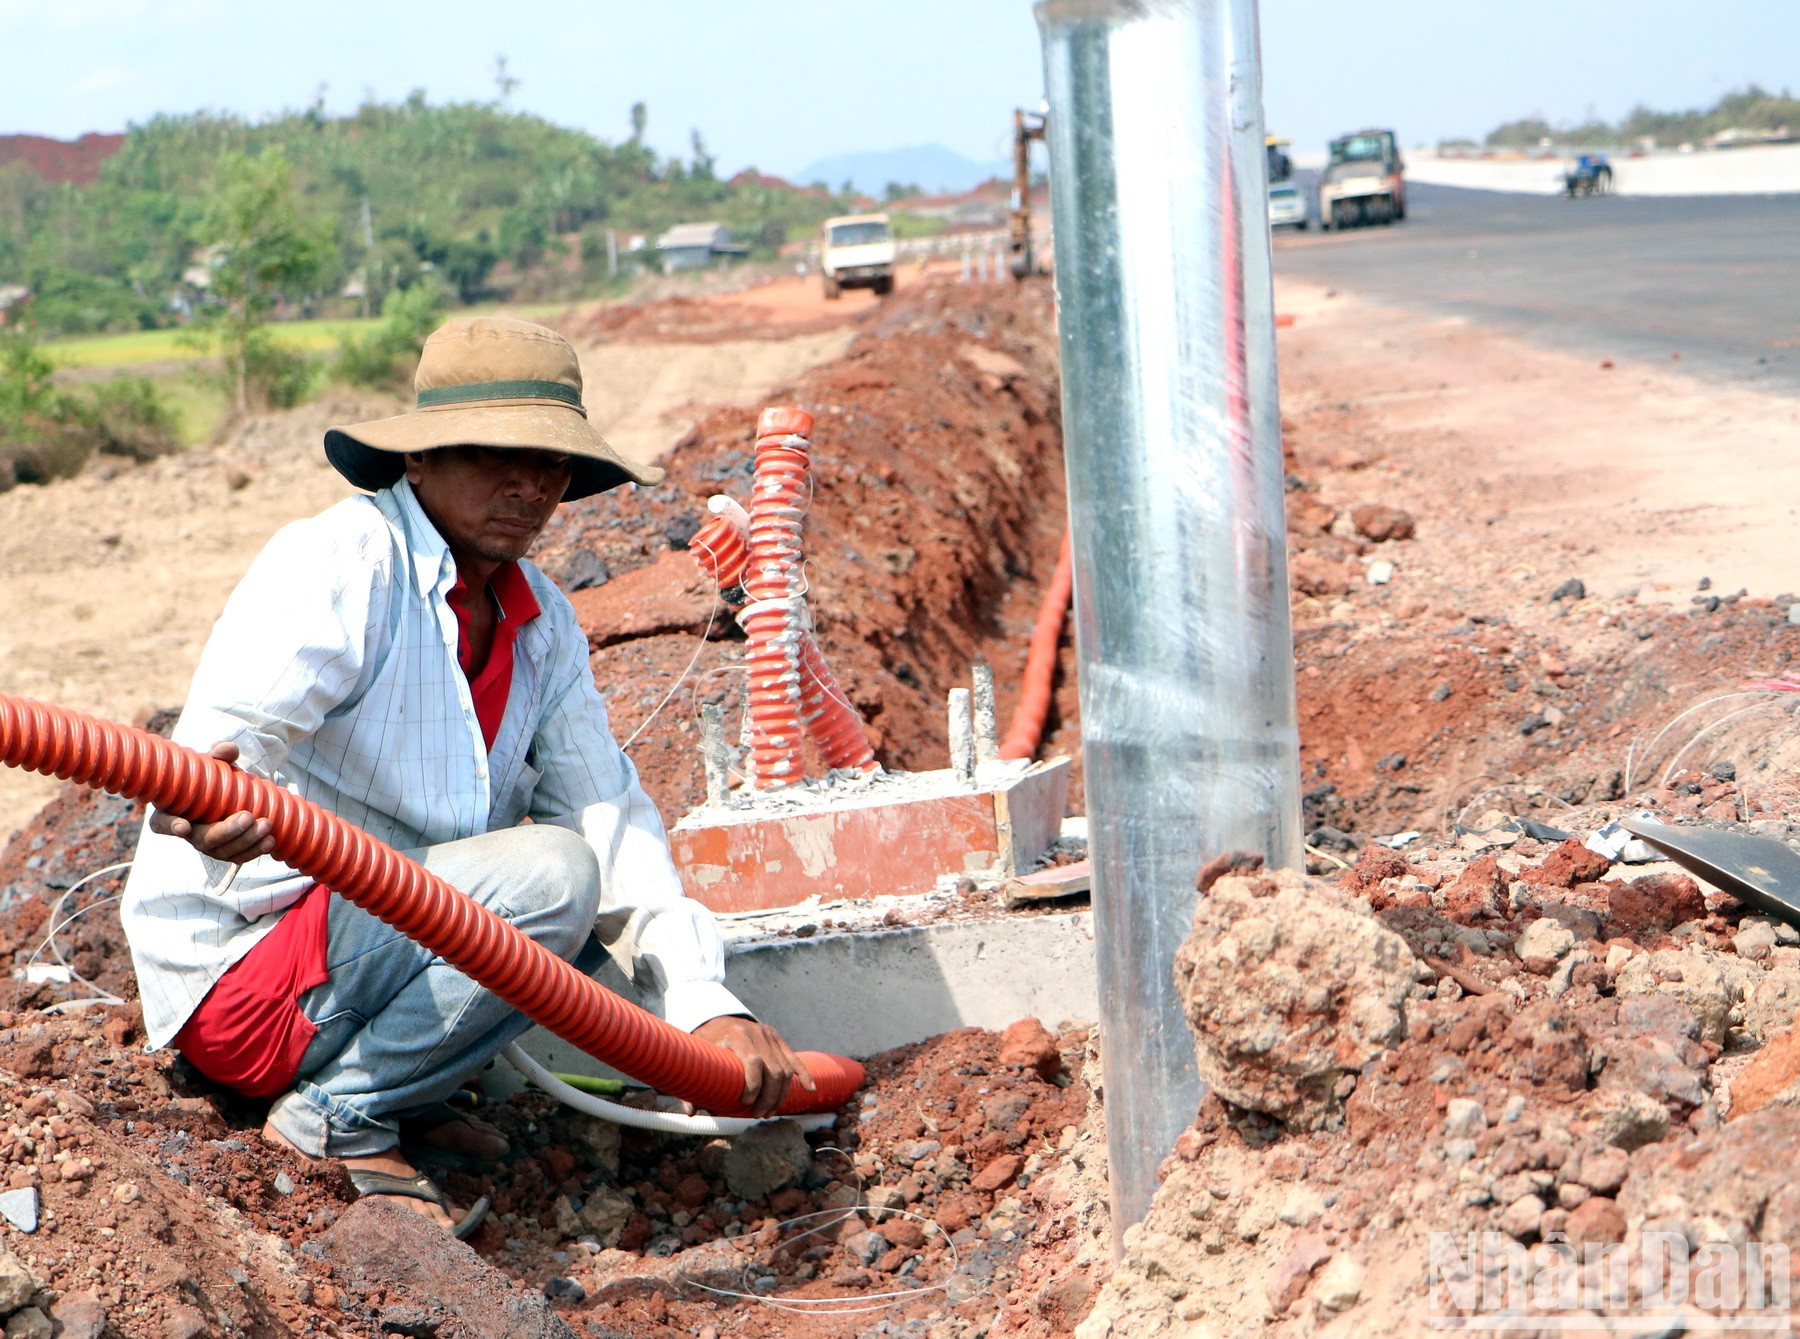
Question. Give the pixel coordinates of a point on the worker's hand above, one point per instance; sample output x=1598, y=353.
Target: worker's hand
x=770, y=1065
x=235, y=840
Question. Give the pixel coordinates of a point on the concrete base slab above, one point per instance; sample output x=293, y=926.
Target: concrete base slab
x=867, y=990
x=866, y=837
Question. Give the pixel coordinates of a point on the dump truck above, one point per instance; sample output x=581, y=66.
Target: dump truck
x=857, y=251
x=1362, y=181
x=1287, y=207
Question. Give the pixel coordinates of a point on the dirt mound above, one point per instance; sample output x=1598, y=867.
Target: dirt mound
x=1559, y=1082
x=935, y=519
x=709, y=320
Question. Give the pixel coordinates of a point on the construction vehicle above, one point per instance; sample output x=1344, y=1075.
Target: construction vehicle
x=1027, y=126
x=857, y=251
x=1362, y=181
x=1287, y=208
x=1591, y=175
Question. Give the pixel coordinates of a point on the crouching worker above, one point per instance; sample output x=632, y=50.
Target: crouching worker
x=394, y=661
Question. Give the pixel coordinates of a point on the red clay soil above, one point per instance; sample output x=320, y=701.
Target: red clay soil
x=78, y=161
x=936, y=515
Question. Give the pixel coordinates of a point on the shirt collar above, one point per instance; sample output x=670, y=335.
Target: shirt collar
x=432, y=564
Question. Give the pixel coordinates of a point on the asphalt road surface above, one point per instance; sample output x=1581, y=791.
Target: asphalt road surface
x=1715, y=279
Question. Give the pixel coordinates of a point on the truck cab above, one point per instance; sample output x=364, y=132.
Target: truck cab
x=1362, y=181
x=857, y=251
x=1287, y=208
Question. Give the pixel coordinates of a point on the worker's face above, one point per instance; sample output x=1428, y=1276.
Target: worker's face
x=492, y=504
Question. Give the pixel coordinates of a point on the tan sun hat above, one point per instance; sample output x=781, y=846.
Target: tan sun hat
x=489, y=381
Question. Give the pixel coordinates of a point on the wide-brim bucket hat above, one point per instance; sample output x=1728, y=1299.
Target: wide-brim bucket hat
x=489, y=381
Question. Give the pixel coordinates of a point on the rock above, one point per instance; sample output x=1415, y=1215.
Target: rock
x=29, y=1323
x=20, y=1208
x=901, y=1232
x=1381, y=524
x=1000, y=1172
x=1543, y=944
x=1771, y=1078
x=604, y=1213
x=186, y=1322
x=1572, y=589
x=1301, y=1205
x=1463, y=1118
x=560, y=1289
x=1771, y=999
x=1478, y=892
x=1289, y=987
x=1519, y=1220
x=1629, y=1120
x=1602, y=1170
x=1005, y=1111
x=1569, y=864
x=583, y=569
x=1288, y=1279
x=1571, y=1195
x=410, y=1322
x=885, y=1197
x=81, y=1316
x=1653, y=904
x=1312, y=573
x=1695, y=976
x=1030, y=1045
x=1340, y=1284
x=16, y=1283
x=866, y=1247
x=692, y=1191
x=284, y=1184
x=667, y=596
x=1597, y=1221
x=765, y=1158
x=1755, y=940
x=401, y=1252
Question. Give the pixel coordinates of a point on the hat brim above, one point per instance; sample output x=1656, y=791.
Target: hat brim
x=370, y=454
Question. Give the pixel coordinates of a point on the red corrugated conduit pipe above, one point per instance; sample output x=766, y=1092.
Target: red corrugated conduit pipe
x=377, y=878
x=1026, y=730
x=772, y=579
x=729, y=547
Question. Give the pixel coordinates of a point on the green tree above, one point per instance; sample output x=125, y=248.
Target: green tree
x=640, y=118
x=259, y=252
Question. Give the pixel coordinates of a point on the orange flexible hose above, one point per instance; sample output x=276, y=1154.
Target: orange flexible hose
x=377, y=878
x=1026, y=730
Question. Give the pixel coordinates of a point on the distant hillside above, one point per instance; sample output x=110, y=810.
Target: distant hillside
x=494, y=202
x=1748, y=114
x=60, y=160
x=931, y=168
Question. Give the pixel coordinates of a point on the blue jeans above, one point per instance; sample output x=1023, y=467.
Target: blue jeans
x=399, y=1029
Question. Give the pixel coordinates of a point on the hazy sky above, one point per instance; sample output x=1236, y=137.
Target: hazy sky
x=780, y=83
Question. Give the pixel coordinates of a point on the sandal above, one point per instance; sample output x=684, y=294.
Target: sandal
x=414, y=1128
x=420, y=1187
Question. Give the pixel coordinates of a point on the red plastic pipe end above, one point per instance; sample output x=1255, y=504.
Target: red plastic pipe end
x=784, y=421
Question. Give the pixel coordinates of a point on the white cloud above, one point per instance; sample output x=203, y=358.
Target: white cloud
x=103, y=78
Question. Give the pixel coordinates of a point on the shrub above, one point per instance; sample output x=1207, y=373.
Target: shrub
x=126, y=417
x=387, y=355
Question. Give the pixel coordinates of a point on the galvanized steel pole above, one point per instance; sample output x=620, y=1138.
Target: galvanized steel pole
x=1172, y=437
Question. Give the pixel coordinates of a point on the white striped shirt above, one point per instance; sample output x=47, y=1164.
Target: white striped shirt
x=334, y=671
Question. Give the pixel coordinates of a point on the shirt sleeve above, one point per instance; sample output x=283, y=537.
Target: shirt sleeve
x=288, y=649
x=663, y=939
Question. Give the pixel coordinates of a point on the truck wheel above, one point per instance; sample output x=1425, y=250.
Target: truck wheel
x=831, y=288
x=884, y=285
x=1300, y=226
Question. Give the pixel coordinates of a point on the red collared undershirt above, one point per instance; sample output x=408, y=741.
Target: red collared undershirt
x=249, y=1033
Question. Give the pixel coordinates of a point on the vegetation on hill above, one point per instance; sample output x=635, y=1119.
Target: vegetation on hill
x=493, y=202
x=1751, y=110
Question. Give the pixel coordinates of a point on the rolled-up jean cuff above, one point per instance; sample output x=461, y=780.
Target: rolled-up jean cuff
x=322, y=1127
